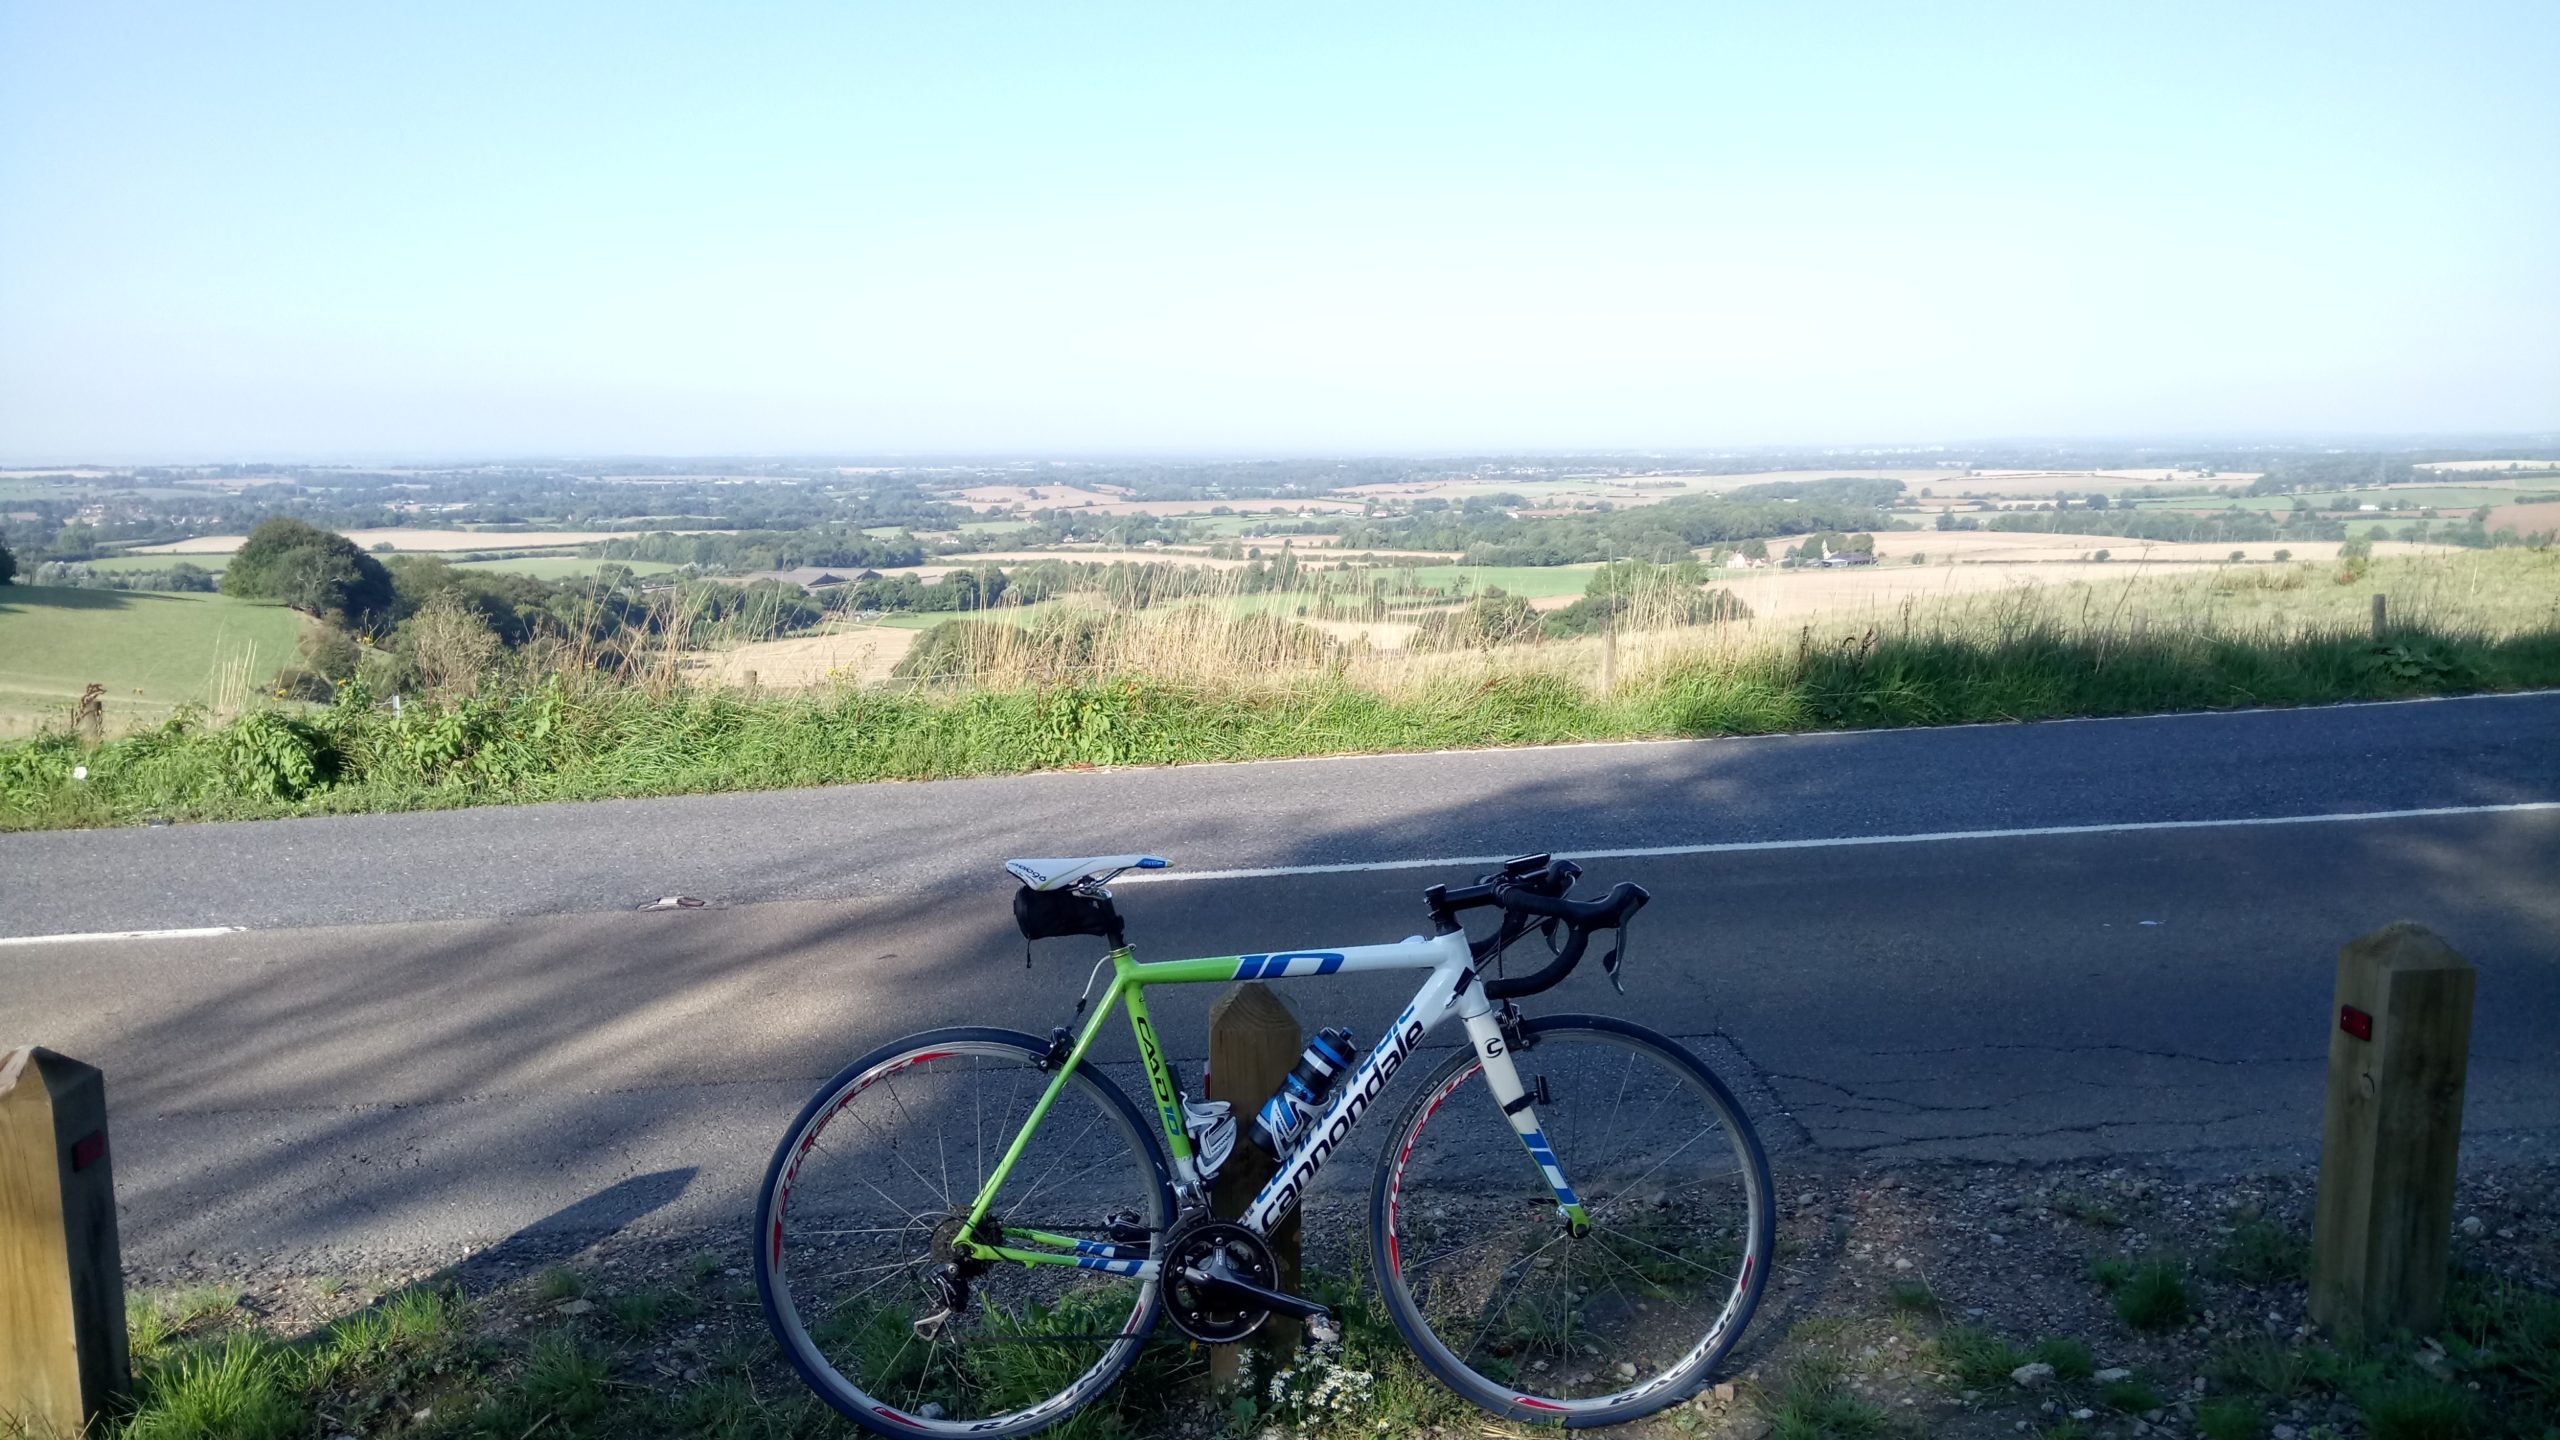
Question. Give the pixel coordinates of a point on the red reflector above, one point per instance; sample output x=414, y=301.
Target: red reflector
x=88, y=1150
x=2355, y=1022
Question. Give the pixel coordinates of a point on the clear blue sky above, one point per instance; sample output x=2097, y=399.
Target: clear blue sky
x=461, y=229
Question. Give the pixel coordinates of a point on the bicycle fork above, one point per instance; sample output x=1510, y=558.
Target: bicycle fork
x=1495, y=1040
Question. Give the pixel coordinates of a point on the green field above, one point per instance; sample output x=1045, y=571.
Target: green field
x=561, y=567
x=1530, y=581
x=153, y=652
x=125, y=564
x=2440, y=497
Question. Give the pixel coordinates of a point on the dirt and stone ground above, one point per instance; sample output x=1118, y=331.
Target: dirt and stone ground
x=1958, y=1300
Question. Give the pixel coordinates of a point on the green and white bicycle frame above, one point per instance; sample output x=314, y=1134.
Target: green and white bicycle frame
x=1451, y=989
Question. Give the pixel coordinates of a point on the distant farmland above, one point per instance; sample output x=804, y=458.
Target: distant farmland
x=153, y=652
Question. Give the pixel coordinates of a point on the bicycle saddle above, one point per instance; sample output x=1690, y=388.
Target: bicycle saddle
x=1065, y=874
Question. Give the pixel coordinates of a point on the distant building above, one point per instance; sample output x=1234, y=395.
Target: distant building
x=1850, y=557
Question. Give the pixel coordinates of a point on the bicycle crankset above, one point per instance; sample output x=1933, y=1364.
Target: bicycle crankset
x=1218, y=1284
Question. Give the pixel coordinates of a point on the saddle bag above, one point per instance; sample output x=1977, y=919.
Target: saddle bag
x=1047, y=914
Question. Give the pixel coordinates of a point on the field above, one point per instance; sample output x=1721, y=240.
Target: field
x=562, y=567
x=126, y=564
x=2440, y=497
x=1895, y=547
x=419, y=540
x=2528, y=519
x=2490, y=465
x=855, y=655
x=153, y=652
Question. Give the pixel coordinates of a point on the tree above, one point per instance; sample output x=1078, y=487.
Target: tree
x=316, y=571
x=8, y=566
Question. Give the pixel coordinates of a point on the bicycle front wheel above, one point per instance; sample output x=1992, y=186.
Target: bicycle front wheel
x=1503, y=1302
x=875, y=1180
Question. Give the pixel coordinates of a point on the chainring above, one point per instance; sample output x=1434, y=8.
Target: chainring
x=1202, y=1243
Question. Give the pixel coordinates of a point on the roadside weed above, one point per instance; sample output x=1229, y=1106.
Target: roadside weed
x=2419, y=1407
x=237, y=1390
x=2261, y=1252
x=1978, y=1357
x=1816, y=1404
x=559, y=1282
x=2231, y=1417
x=2151, y=1294
x=2069, y=1358
x=2134, y=1396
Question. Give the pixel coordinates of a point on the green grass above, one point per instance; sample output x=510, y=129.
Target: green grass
x=2263, y=1364
x=1817, y=1404
x=2231, y=1417
x=2419, y=497
x=53, y=641
x=1978, y=1357
x=2069, y=1357
x=2262, y=1252
x=2132, y=1397
x=550, y=739
x=2149, y=1294
x=126, y=564
x=1530, y=581
x=559, y=1283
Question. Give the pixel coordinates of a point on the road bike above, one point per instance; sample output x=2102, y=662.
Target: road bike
x=973, y=1231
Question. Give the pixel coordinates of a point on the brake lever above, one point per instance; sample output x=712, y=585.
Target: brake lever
x=1609, y=962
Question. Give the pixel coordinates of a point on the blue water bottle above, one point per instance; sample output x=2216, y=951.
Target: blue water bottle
x=1300, y=1098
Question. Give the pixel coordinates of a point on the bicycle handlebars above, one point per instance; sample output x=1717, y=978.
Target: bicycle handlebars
x=1530, y=890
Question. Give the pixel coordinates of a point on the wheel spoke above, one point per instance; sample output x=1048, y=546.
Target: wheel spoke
x=1506, y=1304
x=854, y=1284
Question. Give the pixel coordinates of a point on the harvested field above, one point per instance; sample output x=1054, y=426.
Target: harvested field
x=2028, y=546
x=2490, y=464
x=1806, y=594
x=2530, y=519
x=857, y=655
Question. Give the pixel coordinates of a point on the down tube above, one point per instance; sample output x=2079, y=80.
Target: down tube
x=1404, y=1035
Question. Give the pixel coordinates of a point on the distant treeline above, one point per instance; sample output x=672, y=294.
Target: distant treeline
x=747, y=551
x=1662, y=533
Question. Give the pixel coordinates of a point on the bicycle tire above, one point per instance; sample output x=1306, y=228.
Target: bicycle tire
x=773, y=1237
x=1396, y=1219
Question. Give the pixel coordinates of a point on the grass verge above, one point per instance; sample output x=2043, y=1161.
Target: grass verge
x=564, y=739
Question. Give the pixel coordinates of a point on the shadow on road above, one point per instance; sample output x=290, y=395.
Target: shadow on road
x=574, y=1227
x=422, y=1079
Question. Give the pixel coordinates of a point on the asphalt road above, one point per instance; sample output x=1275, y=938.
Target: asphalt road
x=442, y=1029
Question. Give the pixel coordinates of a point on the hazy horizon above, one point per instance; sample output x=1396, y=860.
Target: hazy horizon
x=306, y=234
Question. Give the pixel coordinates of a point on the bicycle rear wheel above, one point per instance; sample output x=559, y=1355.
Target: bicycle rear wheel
x=1534, y=1323
x=876, y=1178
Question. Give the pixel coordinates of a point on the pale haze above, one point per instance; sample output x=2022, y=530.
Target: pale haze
x=348, y=231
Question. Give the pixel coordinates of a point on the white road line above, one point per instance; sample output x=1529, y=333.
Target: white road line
x=1637, y=852
x=1452, y=862
x=198, y=933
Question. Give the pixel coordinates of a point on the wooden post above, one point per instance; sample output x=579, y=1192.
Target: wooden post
x=2380, y=608
x=1609, y=658
x=1254, y=1037
x=62, y=1340
x=2399, y=1043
